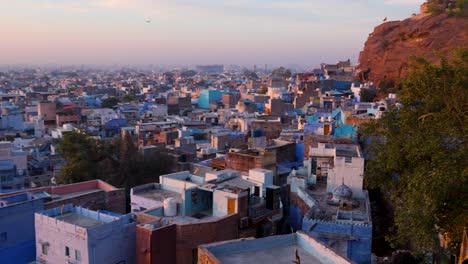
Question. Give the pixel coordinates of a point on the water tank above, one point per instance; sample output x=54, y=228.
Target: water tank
x=170, y=207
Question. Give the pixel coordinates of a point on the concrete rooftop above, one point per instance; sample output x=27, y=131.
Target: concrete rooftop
x=160, y=195
x=79, y=220
x=325, y=211
x=273, y=249
x=282, y=254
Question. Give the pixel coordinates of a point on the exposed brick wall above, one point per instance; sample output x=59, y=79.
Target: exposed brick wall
x=145, y=218
x=243, y=206
x=113, y=201
x=190, y=236
x=94, y=201
x=271, y=130
x=163, y=241
x=143, y=245
x=285, y=153
x=245, y=162
x=297, y=201
x=156, y=246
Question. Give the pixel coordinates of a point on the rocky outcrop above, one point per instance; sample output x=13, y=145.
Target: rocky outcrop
x=388, y=50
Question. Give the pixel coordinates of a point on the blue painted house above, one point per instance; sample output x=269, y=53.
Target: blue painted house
x=114, y=126
x=17, y=234
x=207, y=97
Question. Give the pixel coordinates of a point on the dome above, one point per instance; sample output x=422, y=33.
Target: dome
x=342, y=192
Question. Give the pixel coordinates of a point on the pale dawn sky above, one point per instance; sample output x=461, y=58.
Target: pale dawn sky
x=246, y=32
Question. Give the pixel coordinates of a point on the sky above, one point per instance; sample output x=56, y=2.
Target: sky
x=184, y=32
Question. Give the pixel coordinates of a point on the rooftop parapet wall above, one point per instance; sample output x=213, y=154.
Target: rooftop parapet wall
x=322, y=151
x=14, y=199
x=311, y=245
x=320, y=250
x=145, y=187
x=362, y=218
x=305, y=197
x=358, y=236
x=52, y=223
x=68, y=208
x=178, y=181
x=109, y=225
x=75, y=187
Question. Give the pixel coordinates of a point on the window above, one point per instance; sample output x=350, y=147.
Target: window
x=194, y=195
x=77, y=255
x=45, y=248
x=67, y=251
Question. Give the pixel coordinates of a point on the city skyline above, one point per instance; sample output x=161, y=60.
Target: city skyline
x=189, y=32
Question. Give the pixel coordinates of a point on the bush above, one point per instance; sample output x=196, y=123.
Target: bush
x=434, y=7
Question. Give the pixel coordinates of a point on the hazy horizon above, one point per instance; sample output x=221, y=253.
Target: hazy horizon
x=109, y=32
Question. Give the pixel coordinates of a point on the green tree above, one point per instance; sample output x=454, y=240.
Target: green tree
x=281, y=72
x=420, y=163
x=459, y=8
x=110, y=102
x=153, y=165
x=367, y=95
x=435, y=7
x=128, y=162
x=131, y=168
x=82, y=155
x=250, y=75
x=127, y=98
x=188, y=73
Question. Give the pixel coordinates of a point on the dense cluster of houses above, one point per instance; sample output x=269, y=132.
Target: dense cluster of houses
x=265, y=168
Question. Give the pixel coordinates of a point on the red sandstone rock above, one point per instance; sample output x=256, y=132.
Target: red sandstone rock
x=389, y=49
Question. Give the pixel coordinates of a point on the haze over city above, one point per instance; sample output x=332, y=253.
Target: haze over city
x=231, y=132
x=190, y=32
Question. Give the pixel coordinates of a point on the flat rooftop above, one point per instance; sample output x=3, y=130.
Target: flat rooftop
x=325, y=211
x=79, y=220
x=344, y=150
x=274, y=249
x=281, y=254
x=160, y=195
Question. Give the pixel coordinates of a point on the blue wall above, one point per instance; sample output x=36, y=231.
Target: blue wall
x=208, y=96
x=300, y=152
x=342, y=85
x=17, y=221
x=295, y=217
x=359, y=250
x=204, y=201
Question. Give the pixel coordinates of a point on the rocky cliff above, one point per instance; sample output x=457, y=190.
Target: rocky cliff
x=389, y=49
